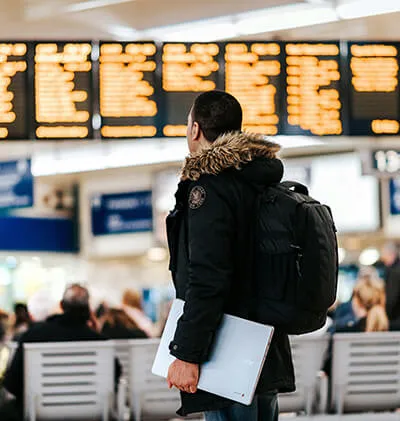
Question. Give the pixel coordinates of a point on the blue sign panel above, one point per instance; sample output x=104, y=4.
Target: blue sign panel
x=394, y=186
x=16, y=184
x=122, y=213
x=38, y=234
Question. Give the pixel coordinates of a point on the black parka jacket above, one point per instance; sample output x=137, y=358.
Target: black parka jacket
x=210, y=235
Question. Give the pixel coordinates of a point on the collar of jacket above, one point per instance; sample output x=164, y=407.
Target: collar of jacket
x=231, y=150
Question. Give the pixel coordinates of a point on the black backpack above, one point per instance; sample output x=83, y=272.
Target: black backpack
x=295, y=260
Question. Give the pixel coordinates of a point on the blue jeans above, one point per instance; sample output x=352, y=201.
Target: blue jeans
x=263, y=408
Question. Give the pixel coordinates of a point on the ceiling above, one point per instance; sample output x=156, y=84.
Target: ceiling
x=121, y=19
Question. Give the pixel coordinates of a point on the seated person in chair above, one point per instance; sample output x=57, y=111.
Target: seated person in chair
x=369, y=306
x=71, y=325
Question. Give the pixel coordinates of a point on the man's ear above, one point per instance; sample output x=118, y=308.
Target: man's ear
x=196, y=131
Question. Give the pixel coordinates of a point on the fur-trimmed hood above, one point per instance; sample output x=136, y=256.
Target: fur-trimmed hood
x=233, y=150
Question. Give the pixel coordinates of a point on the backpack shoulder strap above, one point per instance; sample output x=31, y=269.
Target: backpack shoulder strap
x=295, y=186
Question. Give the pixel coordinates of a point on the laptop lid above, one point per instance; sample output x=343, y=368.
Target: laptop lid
x=235, y=362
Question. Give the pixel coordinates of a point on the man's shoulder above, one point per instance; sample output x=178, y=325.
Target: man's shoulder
x=224, y=184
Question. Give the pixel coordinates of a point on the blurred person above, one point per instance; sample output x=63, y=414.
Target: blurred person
x=209, y=233
x=369, y=306
x=118, y=325
x=4, y=352
x=4, y=323
x=41, y=305
x=22, y=319
x=71, y=325
x=390, y=258
x=132, y=305
x=348, y=312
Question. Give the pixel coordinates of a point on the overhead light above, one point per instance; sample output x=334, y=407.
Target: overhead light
x=369, y=256
x=257, y=21
x=81, y=6
x=117, y=155
x=157, y=254
x=285, y=17
x=202, y=31
x=364, y=8
x=123, y=33
x=289, y=142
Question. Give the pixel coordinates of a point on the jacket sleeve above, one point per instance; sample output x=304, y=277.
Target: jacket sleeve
x=211, y=232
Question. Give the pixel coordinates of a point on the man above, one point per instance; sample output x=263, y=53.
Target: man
x=210, y=237
x=390, y=258
x=72, y=325
x=40, y=306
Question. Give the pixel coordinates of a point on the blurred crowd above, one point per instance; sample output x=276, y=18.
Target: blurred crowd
x=72, y=319
x=375, y=302
x=127, y=321
x=374, y=307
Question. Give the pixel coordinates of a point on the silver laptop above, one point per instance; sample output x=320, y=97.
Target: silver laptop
x=236, y=361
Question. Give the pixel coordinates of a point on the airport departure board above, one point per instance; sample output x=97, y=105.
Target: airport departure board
x=374, y=94
x=128, y=85
x=63, y=90
x=13, y=90
x=252, y=75
x=187, y=71
x=313, y=103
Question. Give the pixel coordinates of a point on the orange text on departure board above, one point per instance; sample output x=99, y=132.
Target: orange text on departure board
x=249, y=74
x=313, y=97
x=375, y=68
x=189, y=68
x=10, y=65
x=56, y=95
x=124, y=90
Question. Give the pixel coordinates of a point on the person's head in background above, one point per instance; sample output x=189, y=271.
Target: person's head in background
x=21, y=314
x=116, y=317
x=389, y=254
x=132, y=298
x=369, y=302
x=213, y=114
x=3, y=325
x=41, y=306
x=75, y=303
x=367, y=273
x=4, y=317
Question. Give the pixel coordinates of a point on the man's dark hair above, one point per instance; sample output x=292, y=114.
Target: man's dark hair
x=217, y=112
x=75, y=302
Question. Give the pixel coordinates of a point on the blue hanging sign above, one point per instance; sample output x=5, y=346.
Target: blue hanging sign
x=16, y=184
x=394, y=188
x=120, y=213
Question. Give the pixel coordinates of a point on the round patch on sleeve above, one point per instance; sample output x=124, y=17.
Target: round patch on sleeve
x=197, y=197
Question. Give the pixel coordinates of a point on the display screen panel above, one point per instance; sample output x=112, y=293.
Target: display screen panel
x=128, y=86
x=63, y=90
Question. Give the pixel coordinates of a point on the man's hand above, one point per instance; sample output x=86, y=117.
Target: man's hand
x=184, y=376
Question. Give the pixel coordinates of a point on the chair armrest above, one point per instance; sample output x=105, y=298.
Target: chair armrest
x=323, y=385
x=121, y=398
